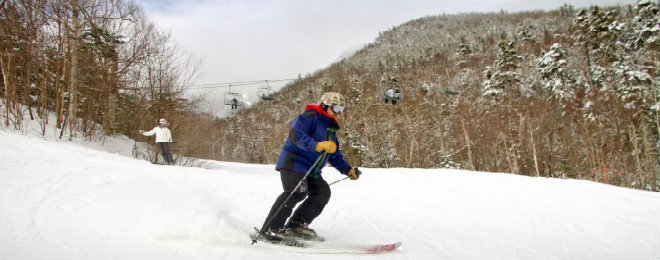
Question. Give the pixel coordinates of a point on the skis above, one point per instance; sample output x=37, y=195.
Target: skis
x=335, y=248
x=317, y=246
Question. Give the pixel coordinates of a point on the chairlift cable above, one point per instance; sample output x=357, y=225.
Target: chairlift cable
x=255, y=82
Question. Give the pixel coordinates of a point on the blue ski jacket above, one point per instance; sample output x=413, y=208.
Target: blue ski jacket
x=299, y=150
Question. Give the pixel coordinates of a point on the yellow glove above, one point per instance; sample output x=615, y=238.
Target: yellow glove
x=354, y=173
x=327, y=146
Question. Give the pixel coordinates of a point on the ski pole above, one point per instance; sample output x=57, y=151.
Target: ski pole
x=342, y=179
x=338, y=180
x=304, y=178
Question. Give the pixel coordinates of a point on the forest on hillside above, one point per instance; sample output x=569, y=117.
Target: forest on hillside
x=568, y=93
x=99, y=66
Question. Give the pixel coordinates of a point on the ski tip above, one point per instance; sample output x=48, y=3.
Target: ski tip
x=384, y=248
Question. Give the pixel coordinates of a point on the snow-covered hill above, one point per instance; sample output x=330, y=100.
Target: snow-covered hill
x=66, y=200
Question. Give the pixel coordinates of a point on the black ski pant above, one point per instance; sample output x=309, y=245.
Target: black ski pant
x=165, y=151
x=314, y=194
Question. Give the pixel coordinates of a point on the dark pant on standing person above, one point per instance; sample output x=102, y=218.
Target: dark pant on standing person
x=165, y=151
x=316, y=191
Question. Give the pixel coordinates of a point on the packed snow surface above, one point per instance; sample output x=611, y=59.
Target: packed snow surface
x=73, y=200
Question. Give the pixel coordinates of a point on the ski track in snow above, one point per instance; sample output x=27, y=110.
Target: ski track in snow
x=64, y=200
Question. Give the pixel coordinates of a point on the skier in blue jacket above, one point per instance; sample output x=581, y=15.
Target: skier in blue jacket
x=312, y=134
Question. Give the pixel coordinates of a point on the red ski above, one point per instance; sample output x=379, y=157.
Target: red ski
x=383, y=248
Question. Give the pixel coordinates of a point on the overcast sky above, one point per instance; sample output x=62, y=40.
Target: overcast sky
x=278, y=39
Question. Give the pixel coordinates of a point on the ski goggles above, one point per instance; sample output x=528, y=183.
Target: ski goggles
x=337, y=108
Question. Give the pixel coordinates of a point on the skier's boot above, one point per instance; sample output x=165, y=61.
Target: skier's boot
x=300, y=230
x=275, y=235
x=278, y=236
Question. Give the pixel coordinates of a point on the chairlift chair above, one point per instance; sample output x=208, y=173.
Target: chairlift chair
x=266, y=92
x=229, y=98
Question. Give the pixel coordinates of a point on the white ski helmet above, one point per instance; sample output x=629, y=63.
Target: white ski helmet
x=333, y=98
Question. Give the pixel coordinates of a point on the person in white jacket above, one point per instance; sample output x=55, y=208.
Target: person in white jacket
x=163, y=139
x=389, y=95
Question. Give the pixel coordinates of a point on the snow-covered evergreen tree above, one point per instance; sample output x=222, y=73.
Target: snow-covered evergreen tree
x=552, y=66
x=645, y=27
x=464, y=52
x=600, y=32
x=504, y=77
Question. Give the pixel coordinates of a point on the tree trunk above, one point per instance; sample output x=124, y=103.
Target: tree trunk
x=5, y=80
x=467, y=143
x=531, y=139
x=73, y=83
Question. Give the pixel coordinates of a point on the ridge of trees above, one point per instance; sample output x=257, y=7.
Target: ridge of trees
x=565, y=93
